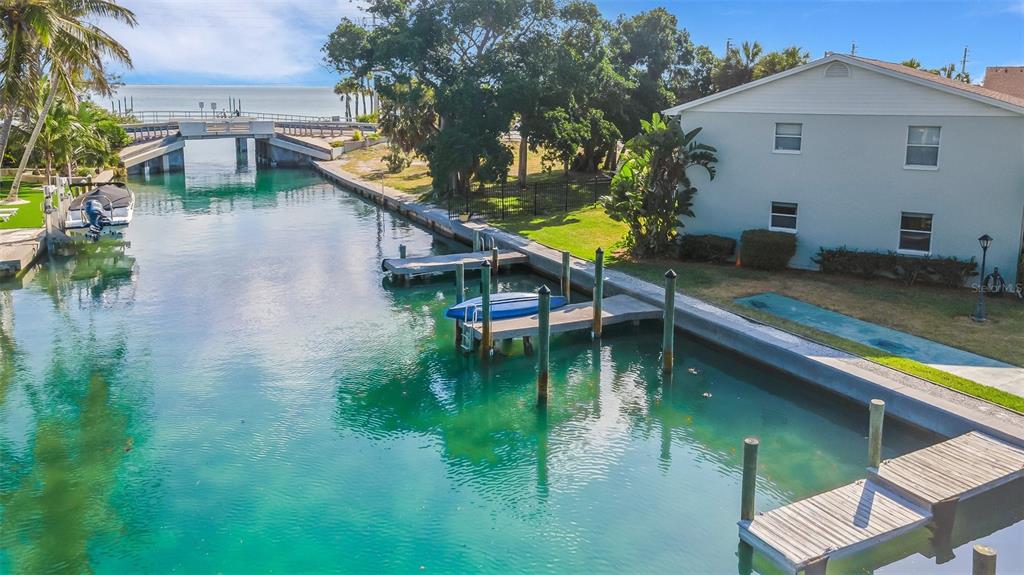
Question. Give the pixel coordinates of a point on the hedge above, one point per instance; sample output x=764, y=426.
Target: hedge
x=766, y=250
x=706, y=248
x=946, y=271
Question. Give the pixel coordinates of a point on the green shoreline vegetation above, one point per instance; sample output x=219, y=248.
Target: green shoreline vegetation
x=936, y=313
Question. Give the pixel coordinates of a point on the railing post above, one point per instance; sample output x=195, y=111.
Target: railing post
x=877, y=416
x=669, y=320
x=566, y=194
x=984, y=561
x=485, y=305
x=503, y=199
x=544, y=337
x=535, y=206
x=598, y=292
x=566, y=270
x=749, y=488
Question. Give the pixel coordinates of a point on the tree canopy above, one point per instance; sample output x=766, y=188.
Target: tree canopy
x=456, y=77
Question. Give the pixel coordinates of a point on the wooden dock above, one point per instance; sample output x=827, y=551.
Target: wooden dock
x=615, y=309
x=902, y=494
x=447, y=263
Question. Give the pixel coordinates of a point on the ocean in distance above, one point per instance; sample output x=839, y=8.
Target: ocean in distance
x=302, y=100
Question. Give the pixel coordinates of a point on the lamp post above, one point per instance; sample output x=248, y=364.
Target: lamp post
x=979, y=309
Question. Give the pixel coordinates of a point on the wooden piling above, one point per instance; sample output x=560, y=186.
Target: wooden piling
x=566, y=269
x=485, y=308
x=598, y=291
x=544, y=339
x=984, y=560
x=476, y=241
x=750, y=445
x=494, y=259
x=460, y=296
x=877, y=415
x=669, y=321
x=401, y=251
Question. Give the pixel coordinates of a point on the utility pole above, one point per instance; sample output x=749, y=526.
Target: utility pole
x=853, y=47
x=963, y=62
x=728, y=46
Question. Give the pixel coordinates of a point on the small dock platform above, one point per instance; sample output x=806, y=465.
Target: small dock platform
x=18, y=249
x=577, y=316
x=447, y=263
x=901, y=495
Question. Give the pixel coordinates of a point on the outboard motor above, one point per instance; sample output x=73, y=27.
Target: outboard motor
x=94, y=211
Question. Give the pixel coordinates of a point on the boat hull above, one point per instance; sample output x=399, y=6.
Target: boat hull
x=503, y=306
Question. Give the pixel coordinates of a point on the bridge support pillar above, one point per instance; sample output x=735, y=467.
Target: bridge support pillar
x=242, y=151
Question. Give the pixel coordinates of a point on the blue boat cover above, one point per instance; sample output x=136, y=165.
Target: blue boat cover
x=504, y=305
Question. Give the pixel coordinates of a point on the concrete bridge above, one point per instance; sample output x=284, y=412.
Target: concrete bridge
x=280, y=140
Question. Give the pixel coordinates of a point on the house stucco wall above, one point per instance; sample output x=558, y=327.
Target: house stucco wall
x=850, y=182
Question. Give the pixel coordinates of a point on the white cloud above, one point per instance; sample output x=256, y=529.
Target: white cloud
x=265, y=40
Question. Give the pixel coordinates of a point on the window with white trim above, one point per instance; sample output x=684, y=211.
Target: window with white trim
x=787, y=137
x=915, y=233
x=783, y=217
x=923, y=146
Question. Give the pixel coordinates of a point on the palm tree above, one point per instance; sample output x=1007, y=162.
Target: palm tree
x=20, y=31
x=73, y=49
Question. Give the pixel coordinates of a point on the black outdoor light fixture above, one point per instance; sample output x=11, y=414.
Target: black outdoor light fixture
x=979, y=309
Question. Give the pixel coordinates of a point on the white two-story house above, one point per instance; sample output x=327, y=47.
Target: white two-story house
x=847, y=151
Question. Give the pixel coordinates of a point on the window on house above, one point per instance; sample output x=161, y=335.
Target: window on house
x=923, y=146
x=915, y=233
x=783, y=217
x=787, y=137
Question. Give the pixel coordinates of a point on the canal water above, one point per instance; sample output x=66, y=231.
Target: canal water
x=242, y=390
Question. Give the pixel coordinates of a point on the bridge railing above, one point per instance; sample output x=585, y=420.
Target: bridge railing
x=153, y=116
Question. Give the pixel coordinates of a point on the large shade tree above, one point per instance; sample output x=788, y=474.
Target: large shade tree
x=73, y=51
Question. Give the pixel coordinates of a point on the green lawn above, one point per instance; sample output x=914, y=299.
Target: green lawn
x=936, y=313
x=29, y=215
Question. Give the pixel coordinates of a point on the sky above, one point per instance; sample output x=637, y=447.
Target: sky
x=231, y=42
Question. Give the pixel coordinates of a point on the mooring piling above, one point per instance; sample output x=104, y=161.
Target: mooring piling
x=598, y=291
x=544, y=339
x=984, y=560
x=485, y=309
x=460, y=296
x=750, y=445
x=402, y=251
x=877, y=415
x=669, y=321
x=494, y=259
x=476, y=241
x=566, y=269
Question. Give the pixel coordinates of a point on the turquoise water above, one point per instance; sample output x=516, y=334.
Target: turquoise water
x=241, y=390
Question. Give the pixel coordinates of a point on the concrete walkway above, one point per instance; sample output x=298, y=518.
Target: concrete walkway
x=909, y=398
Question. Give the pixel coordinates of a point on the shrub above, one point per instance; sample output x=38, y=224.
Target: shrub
x=337, y=143
x=937, y=270
x=368, y=118
x=396, y=160
x=373, y=136
x=766, y=250
x=357, y=135
x=82, y=171
x=706, y=248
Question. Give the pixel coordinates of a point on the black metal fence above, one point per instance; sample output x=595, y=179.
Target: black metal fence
x=509, y=200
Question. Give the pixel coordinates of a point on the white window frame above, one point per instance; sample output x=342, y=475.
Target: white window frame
x=775, y=135
x=772, y=214
x=931, y=235
x=938, y=148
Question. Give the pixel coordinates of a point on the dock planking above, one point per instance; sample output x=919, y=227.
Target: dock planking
x=903, y=494
x=955, y=469
x=843, y=520
x=447, y=263
x=615, y=309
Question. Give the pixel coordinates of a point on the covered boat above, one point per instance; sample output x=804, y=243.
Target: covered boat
x=503, y=305
x=106, y=209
